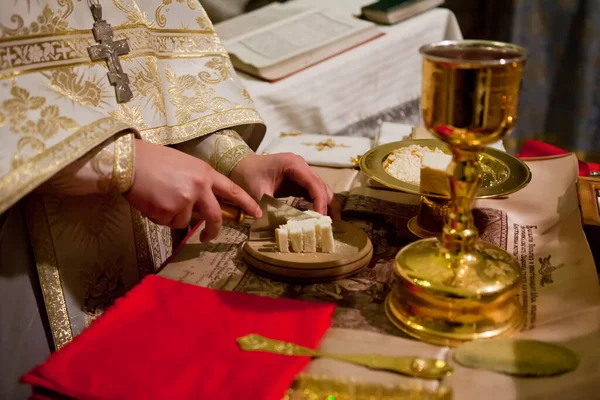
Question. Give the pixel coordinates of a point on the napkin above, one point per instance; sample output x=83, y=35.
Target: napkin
x=393, y=132
x=536, y=148
x=321, y=150
x=170, y=340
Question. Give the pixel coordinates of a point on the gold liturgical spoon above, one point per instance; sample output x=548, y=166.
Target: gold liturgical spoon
x=418, y=367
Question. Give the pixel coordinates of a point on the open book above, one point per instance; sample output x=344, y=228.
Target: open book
x=281, y=39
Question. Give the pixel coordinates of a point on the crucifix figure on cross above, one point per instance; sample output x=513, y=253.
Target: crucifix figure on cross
x=110, y=50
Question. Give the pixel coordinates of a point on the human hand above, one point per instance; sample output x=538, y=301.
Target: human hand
x=266, y=174
x=170, y=184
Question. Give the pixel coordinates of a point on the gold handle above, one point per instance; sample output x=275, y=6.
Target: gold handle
x=229, y=212
x=412, y=366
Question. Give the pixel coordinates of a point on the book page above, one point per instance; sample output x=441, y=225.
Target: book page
x=288, y=38
x=297, y=35
x=256, y=20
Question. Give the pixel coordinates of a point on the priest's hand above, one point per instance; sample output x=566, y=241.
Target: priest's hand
x=169, y=185
x=272, y=174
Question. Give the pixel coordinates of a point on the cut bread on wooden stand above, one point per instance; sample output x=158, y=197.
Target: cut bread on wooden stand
x=310, y=256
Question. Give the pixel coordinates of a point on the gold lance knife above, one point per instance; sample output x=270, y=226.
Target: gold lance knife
x=266, y=224
x=230, y=212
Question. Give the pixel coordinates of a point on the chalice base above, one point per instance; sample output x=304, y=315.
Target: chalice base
x=448, y=316
x=429, y=221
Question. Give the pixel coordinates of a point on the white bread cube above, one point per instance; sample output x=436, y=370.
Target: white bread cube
x=281, y=238
x=309, y=239
x=295, y=236
x=327, y=240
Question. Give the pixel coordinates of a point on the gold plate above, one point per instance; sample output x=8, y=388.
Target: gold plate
x=353, y=252
x=503, y=174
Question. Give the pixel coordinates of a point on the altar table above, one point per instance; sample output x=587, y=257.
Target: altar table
x=353, y=92
x=560, y=293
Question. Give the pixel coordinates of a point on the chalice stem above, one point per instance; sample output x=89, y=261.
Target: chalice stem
x=460, y=233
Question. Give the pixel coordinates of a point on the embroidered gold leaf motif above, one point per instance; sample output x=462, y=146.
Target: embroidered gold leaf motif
x=69, y=85
x=47, y=125
x=87, y=225
x=27, y=148
x=222, y=69
x=102, y=164
x=188, y=95
x=18, y=107
x=147, y=82
x=130, y=115
x=133, y=12
x=204, y=23
x=219, y=104
x=103, y=285
x=285, y=134
x=22, y=101
x=247, y=96
x=51, y=121
x=191, y=4
x=47, y=22
x=2, y=119
x=326, y=144
x=161, y=19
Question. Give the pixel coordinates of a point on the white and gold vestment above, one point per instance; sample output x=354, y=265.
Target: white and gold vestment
x=58, y=107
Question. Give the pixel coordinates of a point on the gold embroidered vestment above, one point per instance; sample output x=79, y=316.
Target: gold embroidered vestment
x=57, y=106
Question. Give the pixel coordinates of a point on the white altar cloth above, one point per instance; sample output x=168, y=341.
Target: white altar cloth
x=356, y=90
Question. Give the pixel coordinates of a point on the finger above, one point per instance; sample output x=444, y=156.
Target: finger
x=225, y=188
x=301, y=173
x=287, y=188
x=209, y=209
x=157, y=216
x=335, y=210
x=162, y=221
x=182, y=220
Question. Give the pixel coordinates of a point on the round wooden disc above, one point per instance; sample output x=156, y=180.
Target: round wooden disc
x=299, y=275
x=353, y=252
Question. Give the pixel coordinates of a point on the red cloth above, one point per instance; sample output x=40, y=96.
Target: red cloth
x=171, y=340
x=535, y=148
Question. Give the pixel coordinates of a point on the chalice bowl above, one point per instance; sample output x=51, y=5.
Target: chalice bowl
x=456, y=288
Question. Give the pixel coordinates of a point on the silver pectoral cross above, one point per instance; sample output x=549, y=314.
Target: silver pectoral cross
x=110, y=50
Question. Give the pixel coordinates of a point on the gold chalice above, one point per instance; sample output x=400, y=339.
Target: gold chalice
x=458, y=288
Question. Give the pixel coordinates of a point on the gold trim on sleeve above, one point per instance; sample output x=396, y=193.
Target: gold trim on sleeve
x=142, y=247
x=31, y=173
x=48, y=272
x=229, y=149
x=124, y=164
x=168, y=135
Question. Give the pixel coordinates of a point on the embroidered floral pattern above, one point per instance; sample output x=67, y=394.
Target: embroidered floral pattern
x=222, y=69
x=103, y=285
x=47, y=125
x=188, y=94
x=161, y=18
x=130, y=115
x=133, y=12
x=47, y=22
x=27, y=148
x=70, y=85
x=247, y=96
x=147, y=82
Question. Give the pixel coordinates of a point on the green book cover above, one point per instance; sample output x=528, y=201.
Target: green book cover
x=388, y=5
